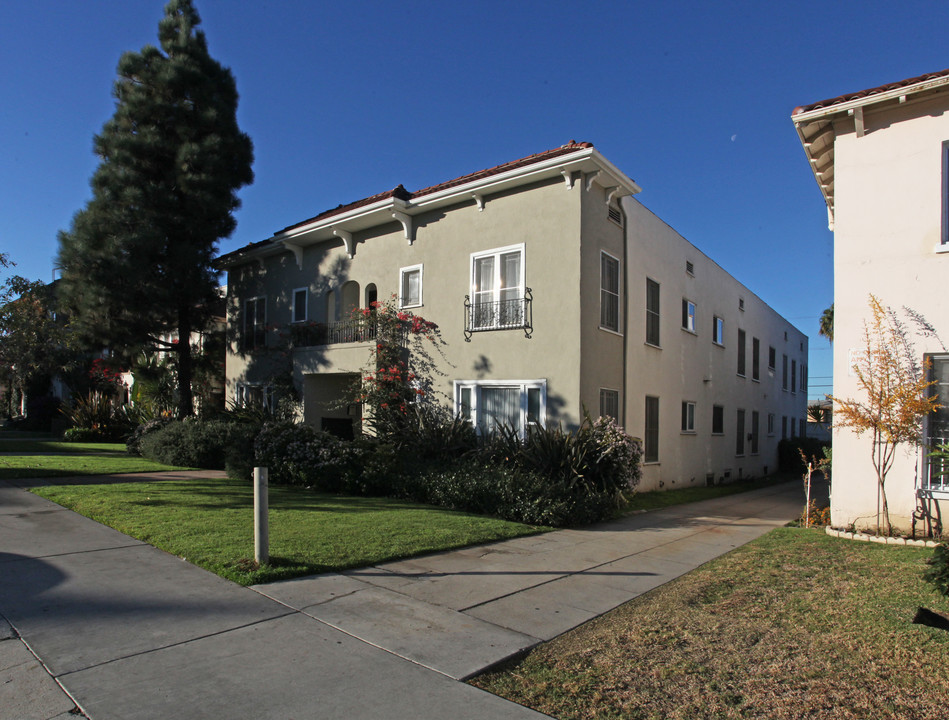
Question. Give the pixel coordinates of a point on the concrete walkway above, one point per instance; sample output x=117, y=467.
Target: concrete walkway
x=132, y=632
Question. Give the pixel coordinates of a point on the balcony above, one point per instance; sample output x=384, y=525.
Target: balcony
x=356, y=330
x=513, y=314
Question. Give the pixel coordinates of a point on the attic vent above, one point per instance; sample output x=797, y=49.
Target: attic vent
x=615, y=215
x=689, y=268
x=741, y=304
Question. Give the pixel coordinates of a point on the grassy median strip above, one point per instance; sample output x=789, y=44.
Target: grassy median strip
x=793, y=625
x=211, y=524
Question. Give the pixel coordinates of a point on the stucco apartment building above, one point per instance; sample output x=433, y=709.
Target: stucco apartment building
x=881, y=160
x=556, y=292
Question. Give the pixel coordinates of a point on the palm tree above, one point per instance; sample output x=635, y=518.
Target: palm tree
x=827, y=323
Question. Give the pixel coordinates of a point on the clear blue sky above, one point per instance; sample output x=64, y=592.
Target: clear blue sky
x=342, y=100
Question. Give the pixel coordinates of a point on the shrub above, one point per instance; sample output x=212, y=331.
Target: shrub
x=98, y=411
x=510, y=493
x=599, y=457
x=938, y=572
x=99, y=434
x=195, y=443
x=134, y=442
x=297, y=454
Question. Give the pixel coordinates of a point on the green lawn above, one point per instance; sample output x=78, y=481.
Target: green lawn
x=793, y=625
x=50, y=466
x=41, y=447
x=210, y=523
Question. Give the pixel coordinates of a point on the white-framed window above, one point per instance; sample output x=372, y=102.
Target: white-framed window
x=609, y=403
x=255, y=322
x=688, y=315
x=740, y=433
x=718, y=420
x=772, y=358
x=755, y=359
x=770, y=424
x=410, y=286
x=651, y=435
x=755, y=421
x=936, y=476
x=609, y=292
x=254, y=395
x=298, y=310
x=497, y=288
x=945, y=195
x=718, y=330
x=688, y=416
x=652, y=312
x=741, y=353
x=489, y=404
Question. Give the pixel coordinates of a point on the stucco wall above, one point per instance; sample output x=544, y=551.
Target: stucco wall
x=888, y=228
x=691, y=367
x=545, y=218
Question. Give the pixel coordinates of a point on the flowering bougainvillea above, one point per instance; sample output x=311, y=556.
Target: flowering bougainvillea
x=400, y=368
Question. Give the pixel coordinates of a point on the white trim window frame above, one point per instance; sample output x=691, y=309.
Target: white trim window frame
x=944, y=240
x=255, y=323
x=610, y=292
x=688, y=417
x=497, y=280
x=688, y=316
x=255, y=395
x=653, y=310
x=295, y=305
x=609, y=403
x=936, y=427
x=489, y=403
x=718, y=330
x=410, y=286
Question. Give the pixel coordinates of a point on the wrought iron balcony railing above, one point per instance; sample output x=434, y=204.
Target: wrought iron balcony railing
x=499, y=315
x=345, y=331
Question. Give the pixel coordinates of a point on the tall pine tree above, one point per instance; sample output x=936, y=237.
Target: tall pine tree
x=136, y=263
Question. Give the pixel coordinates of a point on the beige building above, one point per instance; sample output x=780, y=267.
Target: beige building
x=555, y=291
x=881, y=160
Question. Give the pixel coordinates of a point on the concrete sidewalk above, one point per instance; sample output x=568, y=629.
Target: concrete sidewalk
x=132, y=632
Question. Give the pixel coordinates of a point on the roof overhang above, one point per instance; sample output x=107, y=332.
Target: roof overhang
x=594, y=169
x=815, y=127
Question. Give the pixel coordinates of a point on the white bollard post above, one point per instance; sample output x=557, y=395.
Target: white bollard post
x=261, y=528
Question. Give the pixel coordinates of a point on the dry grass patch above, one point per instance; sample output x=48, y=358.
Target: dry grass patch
x=794, y=625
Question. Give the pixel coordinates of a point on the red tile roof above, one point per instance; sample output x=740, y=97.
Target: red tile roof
x=403, y=194
x=823, y=104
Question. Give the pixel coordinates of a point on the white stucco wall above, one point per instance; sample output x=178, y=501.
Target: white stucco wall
x=888, y=229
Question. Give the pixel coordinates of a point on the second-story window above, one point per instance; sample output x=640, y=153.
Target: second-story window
x=298, y=312
x=688, y=315
x=718, y=331
x=652, y=312
x=497, y=288
x=609, y=292
x=255, y=320
x=410, y=286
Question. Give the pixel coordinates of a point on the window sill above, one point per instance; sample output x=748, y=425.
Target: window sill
x=741, y=375
x=611, y=331
x=718, y=344
x=942, y=248
x=715, y=434
x=690, y=332
x=409, y=307
x=649, y=344
x=651, y=462
x=688, y=432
